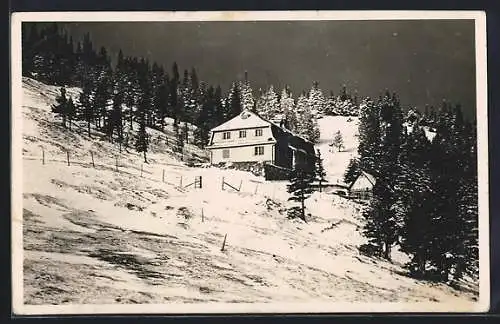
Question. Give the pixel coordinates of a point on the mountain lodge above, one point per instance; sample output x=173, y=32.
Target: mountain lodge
x=250, y=138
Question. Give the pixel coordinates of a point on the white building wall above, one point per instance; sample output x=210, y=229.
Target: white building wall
x=218, y=138
x=243, y=154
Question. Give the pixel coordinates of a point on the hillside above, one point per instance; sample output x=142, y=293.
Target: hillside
x=336, y=162
x=115, y=234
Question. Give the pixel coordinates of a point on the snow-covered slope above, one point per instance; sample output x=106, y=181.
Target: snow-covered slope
x=336, y=162
x=95, y=235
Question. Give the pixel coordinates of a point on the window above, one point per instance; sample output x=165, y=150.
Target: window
x=259, y=150
x=258, y=132
x=226, y=135
x=225, y=154
x=243, y=133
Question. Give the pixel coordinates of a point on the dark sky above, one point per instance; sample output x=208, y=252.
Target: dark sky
x=423, y=61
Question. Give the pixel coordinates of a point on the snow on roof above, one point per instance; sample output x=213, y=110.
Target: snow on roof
x=297, y=149
x=369, y=177
x=245, y=119
x=288, y=131
x=249, y=119
x=277, y=118
x=429, y=134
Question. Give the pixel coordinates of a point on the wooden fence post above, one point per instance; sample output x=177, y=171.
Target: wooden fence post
x=224, y=243
x=163, y=176
x=200, y=182
x=116, y=163
x=92, y=157
x=202, y=216
x=67, y=156
x=141, y=169
x=181, y=182
x=222, y=185
x=43, y=156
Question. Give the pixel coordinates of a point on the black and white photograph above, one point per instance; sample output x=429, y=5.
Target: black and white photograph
x=249, y=162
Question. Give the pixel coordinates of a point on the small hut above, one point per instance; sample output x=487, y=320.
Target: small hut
x=362, y=186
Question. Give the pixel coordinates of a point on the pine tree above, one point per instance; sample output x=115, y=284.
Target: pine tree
x=86, y=107
x=302, y=108
x=247, y=100
x=101, y=100
x=71, y=111
x=49, y=70
x=307, y=125
x=355, y=103
x=313, y=132
x=116, y=122
x=330, y=105
x=234, y=107
x=383, y=225
x=468, y=260
x=300, y=189
x=380, y=221
x=319, y=169
x=103, y=61
x=142, y=140
x=89, y=58
x=343, y=104
x=219, y=107
x=317, y=102
x=196, y=96
x=179, y=139
x=352, y=172
x=147, y=81
x=185, y=133
x=287, y=106
x=414, y=202
x=268, y=106
x=338, y=141
x=369, y=148
x=174, y=94
x=272, y=102
x=453, y=246
x=66, y=59
x=188, y=104
x=161, y=102
x=343, y=93
x=159, y=97
x=207, y=118
x=132, y=90
x=467, y=254
x=61, y=106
